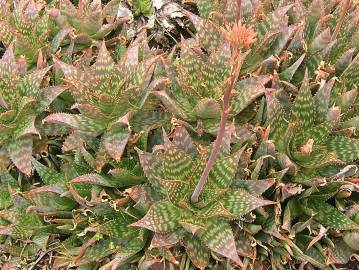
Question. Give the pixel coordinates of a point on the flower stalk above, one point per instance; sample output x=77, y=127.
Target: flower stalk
x=239, y=37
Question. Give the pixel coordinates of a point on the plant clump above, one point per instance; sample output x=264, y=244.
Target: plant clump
x=235, y=149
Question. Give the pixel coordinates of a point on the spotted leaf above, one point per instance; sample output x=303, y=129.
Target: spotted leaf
x=117, y=227
x=162, y=217
x=330, y=217
x=240, y=202
x=20, y=152
x=48, y=175
x=197, y=251
x=303, y=106
x=177, y=164
x=219, y=238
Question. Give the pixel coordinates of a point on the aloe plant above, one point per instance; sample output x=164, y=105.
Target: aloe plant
x=27, y=25
x=122, y=170
x=197, y=76
x=315, y=124
x=104, y=232
x=309, y=144
x=23, y=99
x=204, y=226
x=82, y=23
x=111, y=98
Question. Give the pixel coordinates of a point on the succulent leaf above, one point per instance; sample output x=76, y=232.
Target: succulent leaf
x=219, y=238
x=198, y=253
x=162, y=217
x=329, y=216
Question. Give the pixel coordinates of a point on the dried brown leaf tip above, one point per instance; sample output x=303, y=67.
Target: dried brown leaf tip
x=240, y=36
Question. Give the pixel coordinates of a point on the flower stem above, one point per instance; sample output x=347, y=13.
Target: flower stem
x=239, y=5
x=237, y=59
x=345, y=8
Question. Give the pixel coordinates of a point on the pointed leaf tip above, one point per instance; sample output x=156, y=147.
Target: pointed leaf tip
x=162, y=217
